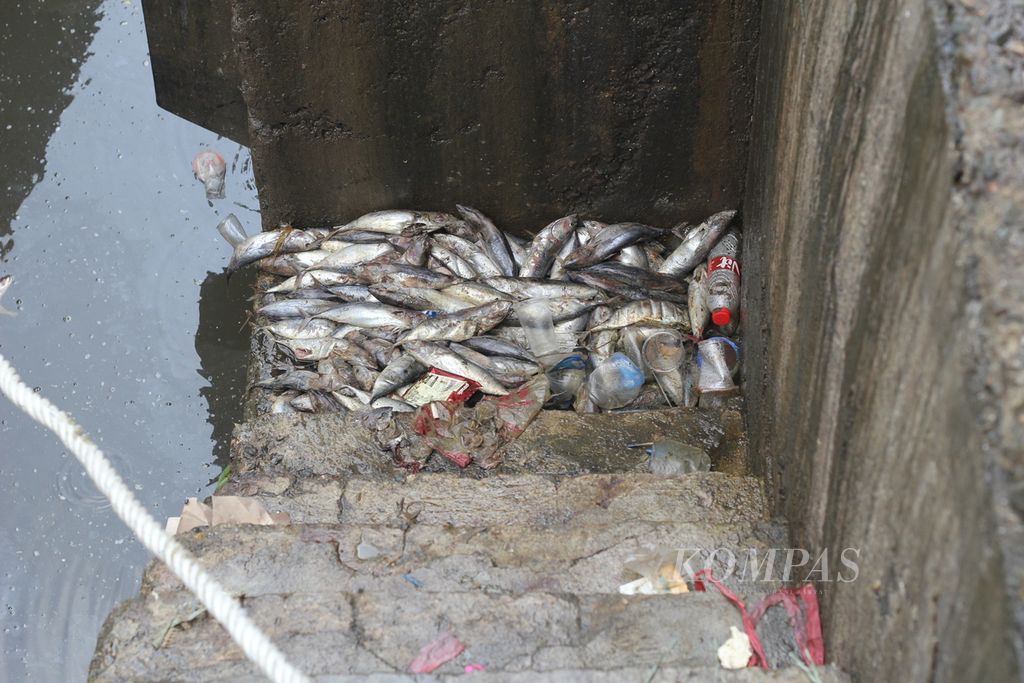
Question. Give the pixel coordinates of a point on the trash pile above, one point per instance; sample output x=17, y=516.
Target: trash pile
x=425, y=312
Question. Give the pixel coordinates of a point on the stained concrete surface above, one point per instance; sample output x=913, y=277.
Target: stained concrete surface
x=883, y=281
x=624, y=111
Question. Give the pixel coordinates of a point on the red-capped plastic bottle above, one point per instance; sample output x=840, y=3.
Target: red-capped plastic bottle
x=723, y=282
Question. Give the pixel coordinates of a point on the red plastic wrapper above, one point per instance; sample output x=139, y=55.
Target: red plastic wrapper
x=464, y=434
x=442, y=649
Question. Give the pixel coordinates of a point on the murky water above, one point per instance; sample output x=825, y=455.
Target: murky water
x=124, y=318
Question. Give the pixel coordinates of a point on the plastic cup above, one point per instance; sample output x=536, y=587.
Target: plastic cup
x=664, y=352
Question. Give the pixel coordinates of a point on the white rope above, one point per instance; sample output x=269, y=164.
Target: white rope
x=217, y=601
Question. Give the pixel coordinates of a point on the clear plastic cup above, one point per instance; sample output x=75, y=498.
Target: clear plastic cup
x=664, y=351
x=615, y=382
x=535, y=318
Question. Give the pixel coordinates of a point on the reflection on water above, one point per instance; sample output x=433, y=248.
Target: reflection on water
x=124, y=319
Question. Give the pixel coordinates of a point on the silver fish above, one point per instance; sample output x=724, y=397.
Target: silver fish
x=351, y=398
x=541, y=288
x=633, y=256
x=649, y=312
x=622, y=289
x=509, y=371
x=564, y=308
x=475, y=293
x=415, y=250
x=564, y=254
x=437, y=356
x=492, y=238
x=400, y=275
x=282, y=402
x=399, y=373
x=351, y=293
x=5, y=283
x=419, y=298
x=295, y=308
x=362, y=237
x=545, y=246
x=696, y=244
x=398, y=222
x=282, y=241
x=638, y=277
x=335, y=245
x=698, y=303
x=364, y=378
x=460, y=326
x=353, y=256
x=396, y=405
x=302, y=328
x=610, y=241
x=299, y=380
x=492, y=346
x=372, y=315
x=452, y=261
x=602, y=344
x=653, y=253
x=469, y=252
x=518, y=246
x=589, y=229
x=291, y=264
x=315, y=278
x=309, y=350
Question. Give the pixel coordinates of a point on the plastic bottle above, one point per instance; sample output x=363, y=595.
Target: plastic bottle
x=615, y=382
x=723, y=281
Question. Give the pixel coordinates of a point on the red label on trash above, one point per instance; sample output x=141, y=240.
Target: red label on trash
x=724, y=263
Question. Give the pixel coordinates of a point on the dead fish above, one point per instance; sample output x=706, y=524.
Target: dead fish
x=602, y=343
x=622, y=289
x=316, y=278
x=399, y=222
x=582, y=403
x=311, y=350
x=352, y=399
x=455, y=264
x=492, y=346
x=638, y=277
x=437, y=356
x=633, y=256
x=302, y=328
x=649, y=312
x=372, y=315
x=541, y=288
x=469, y=252
x=518, y=246
x=493, y=240
x=459, y=326
x=355, y=255
x=291, y=264
x=362, y=237
x=545, y=246
x=610, y=241
x=337, y=245
x=365, y=378
x=419, y=298
x=698, y=303
x=564, y=308
x=378, y=349
x=395, y=404
x=558, y=266
x=282, y=241
x=295, y=308
x=5, y=283
x=588, y=230
x=475, y=293
x=400, y=275
x=509, y=371
x=653, y=251
x=415, y=250
x=351, y=293
x=282, y=402
x=399, y=373
x=696, y=244
x=299, y=380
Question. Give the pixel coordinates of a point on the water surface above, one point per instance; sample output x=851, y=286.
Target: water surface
x=124, y=317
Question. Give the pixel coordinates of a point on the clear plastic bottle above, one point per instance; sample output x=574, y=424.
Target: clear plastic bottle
x=723, y=281
x=615, y=382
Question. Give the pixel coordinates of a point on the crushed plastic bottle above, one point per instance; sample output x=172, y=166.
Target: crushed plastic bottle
x=209, y=168
x=615, y=382
x=717, y=361
x=231, y=230
x=723, y=282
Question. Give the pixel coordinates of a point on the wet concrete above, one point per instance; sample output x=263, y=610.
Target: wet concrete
x=883, y=284
x=111, y=244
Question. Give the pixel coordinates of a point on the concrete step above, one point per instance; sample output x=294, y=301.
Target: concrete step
x=439, y=499
x=344, y=633
x=570, y=558
x=661, y=674
x=322, y=444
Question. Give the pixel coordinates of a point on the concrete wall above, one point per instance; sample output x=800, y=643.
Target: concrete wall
x=874, y=324
x=526, y=110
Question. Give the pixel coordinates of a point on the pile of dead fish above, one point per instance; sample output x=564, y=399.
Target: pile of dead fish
x=398, y=309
